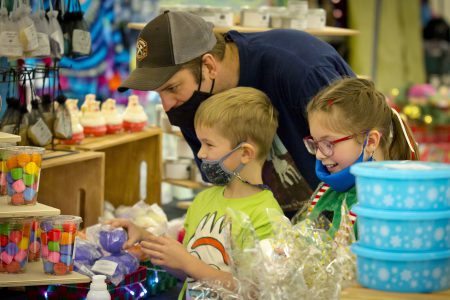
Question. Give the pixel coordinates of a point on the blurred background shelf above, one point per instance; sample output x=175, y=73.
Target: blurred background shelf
x=327, y=31
x=190, y=184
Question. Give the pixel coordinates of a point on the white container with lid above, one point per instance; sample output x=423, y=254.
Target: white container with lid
x=254, y=18
x=316, y=18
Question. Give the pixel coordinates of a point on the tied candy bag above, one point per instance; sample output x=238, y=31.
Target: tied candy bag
x=9, y=35
x=38, y=132
x=42, y=32
x=81, y=37
x=27, y=30
x=55, y=33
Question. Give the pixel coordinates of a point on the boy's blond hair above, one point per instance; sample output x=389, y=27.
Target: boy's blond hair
x=241, y=114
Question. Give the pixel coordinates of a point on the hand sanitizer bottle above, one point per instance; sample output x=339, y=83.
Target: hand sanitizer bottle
x=98, y=290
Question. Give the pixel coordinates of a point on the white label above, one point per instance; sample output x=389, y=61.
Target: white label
x=44, y=46
x=10, y=45
x=105, y=267
x=58, y=38
x=81, y=41
x=39, y=133
x=28, y=37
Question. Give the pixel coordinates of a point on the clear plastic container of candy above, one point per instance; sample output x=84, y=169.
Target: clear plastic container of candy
x=3, y=168
x=34, y=249
x=23, y=169
x=14, y=237
x=58, y=243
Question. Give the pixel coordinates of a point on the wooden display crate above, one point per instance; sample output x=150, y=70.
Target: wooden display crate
x=124, y=153
x=74, y=183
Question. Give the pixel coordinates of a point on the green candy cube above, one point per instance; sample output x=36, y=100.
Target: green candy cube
x=53, y=246
x=28, y=179
x=16, y=173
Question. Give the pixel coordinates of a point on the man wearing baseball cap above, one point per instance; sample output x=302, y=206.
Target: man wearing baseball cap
x=179, y=56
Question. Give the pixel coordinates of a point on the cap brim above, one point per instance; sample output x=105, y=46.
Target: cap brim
x=148, y=79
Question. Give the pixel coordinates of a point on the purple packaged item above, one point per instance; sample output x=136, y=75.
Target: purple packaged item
x=112, y=239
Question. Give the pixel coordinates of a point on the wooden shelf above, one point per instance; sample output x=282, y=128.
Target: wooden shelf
x=112, y=140
x=15, y=211
x=34, y=275
x=9, y=138
x=186, y=183
x=327, y=31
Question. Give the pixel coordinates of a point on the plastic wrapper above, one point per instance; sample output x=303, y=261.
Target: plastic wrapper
x=87, y=252
x=112, y=239
x=151, y=217
x=126, y=264
x=300, y=261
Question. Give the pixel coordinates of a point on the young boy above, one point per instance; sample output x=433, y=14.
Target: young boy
x=235, y=129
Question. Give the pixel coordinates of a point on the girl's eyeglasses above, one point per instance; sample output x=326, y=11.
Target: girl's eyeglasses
x=326, y=147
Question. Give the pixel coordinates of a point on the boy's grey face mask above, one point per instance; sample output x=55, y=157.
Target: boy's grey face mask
x=215, y=170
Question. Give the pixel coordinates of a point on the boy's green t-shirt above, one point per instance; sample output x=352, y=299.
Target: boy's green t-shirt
x=205, y=223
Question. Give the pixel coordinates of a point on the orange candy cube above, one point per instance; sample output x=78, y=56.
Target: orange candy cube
x=67, y=238
x=11, y=163
x=23, y=159
x=36, y=158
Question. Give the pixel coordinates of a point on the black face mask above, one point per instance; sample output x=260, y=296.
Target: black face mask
x=183, y=115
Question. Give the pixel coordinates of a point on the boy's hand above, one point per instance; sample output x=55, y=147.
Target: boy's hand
x=135, y=233
x=166, y=252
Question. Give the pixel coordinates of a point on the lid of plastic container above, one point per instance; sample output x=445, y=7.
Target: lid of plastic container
x=400, y=215
x=398, y=256
x=402, y=169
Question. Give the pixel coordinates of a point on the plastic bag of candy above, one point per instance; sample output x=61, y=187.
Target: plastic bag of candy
x=300, y=261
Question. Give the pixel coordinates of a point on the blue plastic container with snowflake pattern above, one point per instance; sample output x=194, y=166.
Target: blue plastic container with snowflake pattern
x=402, y=272
x=405, y=231
x=403, y=185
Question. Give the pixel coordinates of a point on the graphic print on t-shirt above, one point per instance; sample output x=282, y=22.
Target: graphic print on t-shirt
x=284, y=179
x=208, y=244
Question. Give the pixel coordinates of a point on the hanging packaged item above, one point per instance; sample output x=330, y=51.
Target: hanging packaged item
x=81, y=37
x=55, y=33
x=27, y=30
x=9, y=35
x=42, y=31
x=63, y=124
x=46, y=103
x=38, y=132
x=76, y=31
x=11, y=118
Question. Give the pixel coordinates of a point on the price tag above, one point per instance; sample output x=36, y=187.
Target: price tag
x=81, y=41
x=105, y=267
x=39, y=133
x=10, y=45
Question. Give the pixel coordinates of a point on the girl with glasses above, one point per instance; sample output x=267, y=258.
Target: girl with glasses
x=350, y=122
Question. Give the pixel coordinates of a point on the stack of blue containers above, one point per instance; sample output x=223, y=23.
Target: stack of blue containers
x=403, y=225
